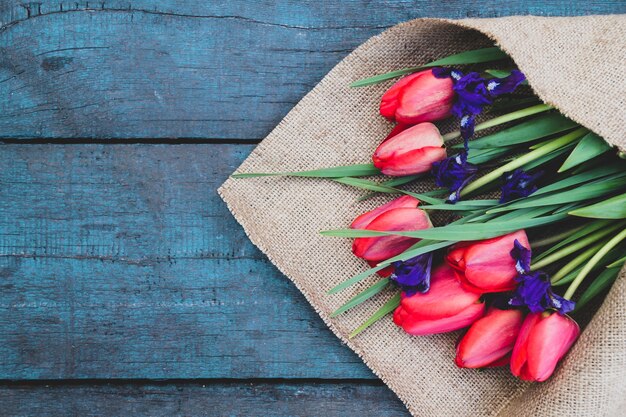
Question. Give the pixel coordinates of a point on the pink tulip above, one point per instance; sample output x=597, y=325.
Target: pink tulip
x=364, y=219
x=381, y=248
x=490, y=340
x=543, y=340
x=487, y=266
x=411, y=151
x=447, y=306
x=419, y=97
x=389, y=100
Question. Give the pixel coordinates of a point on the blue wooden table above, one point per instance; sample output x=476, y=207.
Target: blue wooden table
x=125, y=285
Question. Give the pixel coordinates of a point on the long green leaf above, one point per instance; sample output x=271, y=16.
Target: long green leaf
x=387, y=308
x=469, y=231
x=547, y=158
x=526, y=131
x=480, y=156
x=585, y=231
x=468, y=57
x=373, y=186
x=606, y=278
x=583, y=177
x=356, y=170
x=613, y=208
x=588, y=148
x=584, y=192
x=411, y=253
x=395, y=182
x=357, y=278
x=364, y=295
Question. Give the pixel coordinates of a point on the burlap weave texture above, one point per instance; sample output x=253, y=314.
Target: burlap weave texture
x=575, y=64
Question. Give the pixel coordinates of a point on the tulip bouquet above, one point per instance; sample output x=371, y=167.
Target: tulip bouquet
x=530, y=217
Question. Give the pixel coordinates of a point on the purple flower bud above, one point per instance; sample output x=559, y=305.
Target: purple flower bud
x=413, y=275
x=522, y=256
x=518, y=184
x=454, y=173
x=473, y=93
x=535, y=292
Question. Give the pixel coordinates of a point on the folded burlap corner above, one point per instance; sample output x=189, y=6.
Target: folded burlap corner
x=573, y=63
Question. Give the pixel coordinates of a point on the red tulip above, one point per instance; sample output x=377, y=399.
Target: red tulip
x=543, y=340
x=411, y=151
x=364, y=219
x=490, y=340
x=389, y=100
x=486, y=265
x=445, y=307
x=400, y=214
x=419, y=97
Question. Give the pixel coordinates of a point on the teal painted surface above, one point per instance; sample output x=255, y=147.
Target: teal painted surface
x=120, y=261
x=171, y=69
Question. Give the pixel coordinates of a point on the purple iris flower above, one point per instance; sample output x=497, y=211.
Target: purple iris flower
x=521, y=255
x=473, y=93
x=534, y=290
x=518, y=184
x=454, y=173
x=413, y=275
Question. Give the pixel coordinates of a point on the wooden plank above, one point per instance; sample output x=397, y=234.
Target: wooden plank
x=171, y=69
x=202, y=399
x=120, y=261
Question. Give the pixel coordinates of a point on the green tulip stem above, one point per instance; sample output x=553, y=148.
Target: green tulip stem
x=593, y=262
x=505, y=118
x=576, y=246
x=525, y=159
x=576, y=262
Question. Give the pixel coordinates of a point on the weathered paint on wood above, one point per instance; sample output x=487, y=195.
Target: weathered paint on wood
x=120, y=261
x=171, y=69
x=202, y=399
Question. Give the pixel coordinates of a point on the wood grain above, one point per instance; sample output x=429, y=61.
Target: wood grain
x=120, y=261
x=206, y=398
x=171, y=69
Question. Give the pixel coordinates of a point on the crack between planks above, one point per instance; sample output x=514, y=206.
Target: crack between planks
x=8, y=383
x=30, y=16
x=126, y=141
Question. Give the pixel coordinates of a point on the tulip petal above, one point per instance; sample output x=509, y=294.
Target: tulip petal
x=425, y=99
x=490, y=339
x=389, y=100
x=520, y=352
x=364, y=219
x=385, y=247
x=445, y=298
x=548, y=342
x=398, y=128
x=442, y=325
x=488, y=264
x=412, y=151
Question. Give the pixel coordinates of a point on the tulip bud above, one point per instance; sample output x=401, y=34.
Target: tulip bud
x=487, y=265
x=364, y=219
x=412, y=151
x=447, y=306
x=543, y=340
x=419, y=97
x=380, y=248
x=490, y=340
x=389, y=100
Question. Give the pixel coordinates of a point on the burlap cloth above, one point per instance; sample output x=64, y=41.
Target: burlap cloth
x=574, y=63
